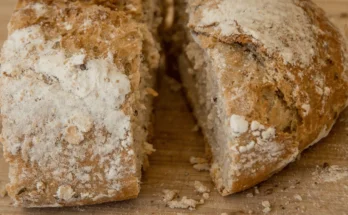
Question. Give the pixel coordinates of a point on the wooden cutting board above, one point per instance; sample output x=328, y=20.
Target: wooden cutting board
x=317, y=183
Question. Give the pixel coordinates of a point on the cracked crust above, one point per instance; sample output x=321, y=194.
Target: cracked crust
x=272, y=106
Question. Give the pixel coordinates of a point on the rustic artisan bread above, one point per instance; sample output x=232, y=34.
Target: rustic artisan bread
x=266, y=80
x=75, y=92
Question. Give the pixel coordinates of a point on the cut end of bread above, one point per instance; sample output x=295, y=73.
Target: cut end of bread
x=252, y=94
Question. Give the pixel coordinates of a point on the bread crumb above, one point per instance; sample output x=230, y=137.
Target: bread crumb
x=224, y=214
x=249, y=195
x=174, y=85
x=266, y=210
x=206, y=196
x=169, y=195
x=202, y=167
x=3, y=191
x=152, y=92
x=298, y=197
x=200, y=164
x=197, y=160
x=201, y=188
x=184, y=203
x=267, y=206
x=256, y=189
x=148, y=148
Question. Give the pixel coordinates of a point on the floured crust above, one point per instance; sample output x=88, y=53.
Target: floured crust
x=283, y=83
x=70, y=98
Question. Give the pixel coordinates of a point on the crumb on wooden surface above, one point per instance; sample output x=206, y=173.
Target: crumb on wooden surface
x=200, y=164
x=206, y=196
x=298, y=197
x=202, y=167
x=169, y=195
x=256, y=189
x=200, y=187
x=267, y=206
x=184, y=203
x=198, y=160
x=148, y=148
x=3, y=192
x=249, y=195
x=267, y=210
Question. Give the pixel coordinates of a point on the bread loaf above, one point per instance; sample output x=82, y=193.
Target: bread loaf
x=266, y=80
x=75, y=106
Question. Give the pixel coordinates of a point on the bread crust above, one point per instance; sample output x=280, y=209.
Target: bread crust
x=93, y=160
x=308, y=94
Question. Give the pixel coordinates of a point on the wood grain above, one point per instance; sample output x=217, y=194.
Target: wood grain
x=176, y=142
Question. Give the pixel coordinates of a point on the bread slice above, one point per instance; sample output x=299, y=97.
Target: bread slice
x=266, y=80
x=75, y=106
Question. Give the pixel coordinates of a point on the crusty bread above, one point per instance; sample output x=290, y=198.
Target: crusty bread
x=266, y=80
x=75, y=77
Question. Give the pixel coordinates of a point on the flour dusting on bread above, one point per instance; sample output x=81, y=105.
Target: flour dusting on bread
x=264, y=22
x=73, y=97
x=273, y=82
x=63, y=100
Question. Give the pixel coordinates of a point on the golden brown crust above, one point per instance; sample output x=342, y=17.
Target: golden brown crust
x=124, y=39
x=46, y=198
x=327, y=59
x=300, y=101
x=100, y=32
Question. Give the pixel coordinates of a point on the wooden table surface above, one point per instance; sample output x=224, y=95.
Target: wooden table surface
x=317, y=183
